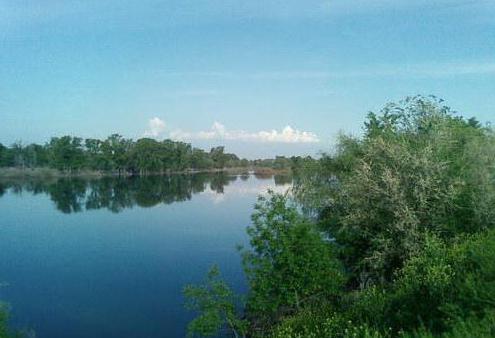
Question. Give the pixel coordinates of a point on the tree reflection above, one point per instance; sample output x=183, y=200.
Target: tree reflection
x=68, y=195
x=72, y=195
x=282, y=179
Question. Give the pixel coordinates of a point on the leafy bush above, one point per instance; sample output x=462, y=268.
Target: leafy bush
x=289, y=263
x=418, y=169
x=4, y=333
x=216, y=304
x=445, y=284
x=318, y=324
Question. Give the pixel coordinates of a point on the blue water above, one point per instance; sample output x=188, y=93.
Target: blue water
x=109, y=257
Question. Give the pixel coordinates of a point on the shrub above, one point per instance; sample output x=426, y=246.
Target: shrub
x=289, y=264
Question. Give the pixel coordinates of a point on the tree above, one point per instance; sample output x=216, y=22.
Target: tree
x=200, y=159
x=418, y=168
x=66, y=153
x=289, y=264
x=3, y=156
x=148, y=156
x=182, y=158
x=35, y=155
x=216, y=304
x=94, y=154
x=281, y=162
x=17, y=154
x=115, y=149
x=5, y=332
x=218, y=157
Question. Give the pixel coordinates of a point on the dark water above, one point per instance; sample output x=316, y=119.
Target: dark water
x=109, y=257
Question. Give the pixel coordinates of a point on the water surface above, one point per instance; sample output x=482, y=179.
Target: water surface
x=109, y=257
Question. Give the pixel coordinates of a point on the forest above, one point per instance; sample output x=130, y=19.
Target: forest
x=119, y=155
x=390, y=235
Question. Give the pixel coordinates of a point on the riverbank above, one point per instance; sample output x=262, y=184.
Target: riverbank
x=54, y=173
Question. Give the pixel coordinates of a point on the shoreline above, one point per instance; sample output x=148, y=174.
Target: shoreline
x=18, y=173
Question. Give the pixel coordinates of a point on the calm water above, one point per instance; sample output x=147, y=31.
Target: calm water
x=109, y=257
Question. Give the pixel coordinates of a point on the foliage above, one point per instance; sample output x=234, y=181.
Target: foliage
x=471, y=327
x=216, y=303
x=317, y=323
x=445, y=283
x=120, y=155
x=289, y=264
x=410, y=207
x=447, y=291
x=418, y=168
x=5, y=332
x=66, y=153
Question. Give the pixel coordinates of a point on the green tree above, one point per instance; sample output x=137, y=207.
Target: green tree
x=3, y=156
x=216, y=304
x=418, y=168
x=66, y=153
x=115, y=152
x=218, y=156
x=5, y=331
x=289, y=264
x=200, y=159
x=18, y=156
x=149, y=156
x=94, y=154
x=182, y=156
x=35, y=155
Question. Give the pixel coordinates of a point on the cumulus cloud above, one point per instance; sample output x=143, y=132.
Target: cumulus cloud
x=219, y=132
x=156, y=126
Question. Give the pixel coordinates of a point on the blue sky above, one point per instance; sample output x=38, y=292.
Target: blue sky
x=236, y=72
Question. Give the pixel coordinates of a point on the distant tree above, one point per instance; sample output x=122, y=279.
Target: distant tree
x=218, y=157
x=66, y=153
x=200, y=159
x=94, y=154
x=115, y=150
x=244, y=163
x=3, y=156
x=183, y=156
x=35, y=155
x=17, y=153
x=281, y=162
x=118, y=154
x=148, y=155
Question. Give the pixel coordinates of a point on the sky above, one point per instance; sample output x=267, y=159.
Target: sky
x=260, y=77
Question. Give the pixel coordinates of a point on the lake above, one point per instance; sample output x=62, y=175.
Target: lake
x=109, y=257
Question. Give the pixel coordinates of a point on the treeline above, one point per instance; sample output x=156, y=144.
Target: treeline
x=120, y=155
x=392, y=235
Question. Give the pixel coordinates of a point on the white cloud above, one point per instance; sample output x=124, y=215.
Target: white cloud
x=219, y=132
x=156, y=126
